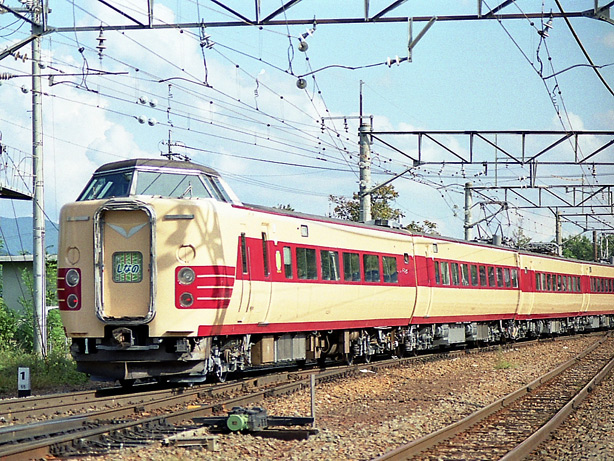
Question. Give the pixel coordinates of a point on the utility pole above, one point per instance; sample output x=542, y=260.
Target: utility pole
x=40, y=311
x=365, y=170
x=559, y=236
x=468, y=205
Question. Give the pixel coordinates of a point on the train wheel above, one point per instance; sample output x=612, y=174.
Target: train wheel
x=221, y=375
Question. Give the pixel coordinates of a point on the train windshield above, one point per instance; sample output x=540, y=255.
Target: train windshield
x=155, y=183
x=171, y=185
x=108, y=185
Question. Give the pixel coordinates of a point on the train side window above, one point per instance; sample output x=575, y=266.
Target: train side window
x=559, y=283
x=288, y=262
x=437, y=273
x=578, y=285
x=538, y=282
x=445, y=273
x=243, y=253
x=491, y=277
x=455, y=274
x=515, y=278
x=544, y=284
x=474, y=275
x=390, y=269
x=306, y=263
x=598, y=285
x=549, y=281
x=592, y=285
x=265, y=255
x=506, y=277
x=330, y=265
x=351, y=267
x=371, y=268
x=483, y=279
x=500, y=277
x=465, y=274
x=406, y=258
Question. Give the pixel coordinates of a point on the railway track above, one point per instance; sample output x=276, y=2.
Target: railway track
x=148, y=415
x=515, y=425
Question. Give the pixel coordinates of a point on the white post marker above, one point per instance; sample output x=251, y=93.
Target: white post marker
x=23, y=382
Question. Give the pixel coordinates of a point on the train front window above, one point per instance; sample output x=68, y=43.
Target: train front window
x=170, y=185
x=108, y=185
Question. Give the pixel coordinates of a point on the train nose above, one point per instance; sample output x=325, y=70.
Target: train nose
x=124, y=278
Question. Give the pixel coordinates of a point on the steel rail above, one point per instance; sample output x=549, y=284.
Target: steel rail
x=422, y=444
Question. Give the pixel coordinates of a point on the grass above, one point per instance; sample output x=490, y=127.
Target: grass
x=503, y=363
x=56, y=370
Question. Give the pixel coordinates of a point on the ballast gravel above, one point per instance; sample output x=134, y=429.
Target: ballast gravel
x=364, y=417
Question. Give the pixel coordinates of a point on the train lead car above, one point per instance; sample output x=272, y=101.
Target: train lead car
x=163, y=273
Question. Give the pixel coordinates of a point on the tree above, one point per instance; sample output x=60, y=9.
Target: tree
x=381, y=205
x=381, y=208
x=287, y=207
x=578, y=247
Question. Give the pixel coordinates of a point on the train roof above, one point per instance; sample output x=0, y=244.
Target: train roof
x=155, y=163
x=402, y=231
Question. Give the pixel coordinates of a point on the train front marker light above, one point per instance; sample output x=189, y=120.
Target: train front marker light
x=186, y=276
x=186, y=299
x=72, y=277
x=72, y=301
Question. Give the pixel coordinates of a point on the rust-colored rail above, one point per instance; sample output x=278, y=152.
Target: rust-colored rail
x=511, y=414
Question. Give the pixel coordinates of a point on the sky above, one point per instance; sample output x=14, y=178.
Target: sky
x=233, y=103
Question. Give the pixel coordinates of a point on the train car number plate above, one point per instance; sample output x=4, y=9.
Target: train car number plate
x=127, y=267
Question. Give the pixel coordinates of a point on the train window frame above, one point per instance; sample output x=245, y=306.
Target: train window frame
x=500, y=282
x=538, y=281
x=465, y=274
x=454, y=274
x=369, y=262
x=483, y=277
x=437, y=273
x=288, y=269
x=168, y=184
x=549, y=281
x=265, y=255
x=475, y=278
x=306, y=263
x=389, y=269
x=445, y=273
x=507, y=279
x=329, y=265
x=351, y=264
x=102, y=185
x=514, y=273
x=244, y=266
x=492, y=279
x=406, y=258
x=544, y=282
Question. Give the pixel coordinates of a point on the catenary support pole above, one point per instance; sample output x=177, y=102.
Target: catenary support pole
x=365, y=170
x=468, y=205
x=40, y=312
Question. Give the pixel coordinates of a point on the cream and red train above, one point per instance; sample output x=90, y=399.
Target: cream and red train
x=164, y=274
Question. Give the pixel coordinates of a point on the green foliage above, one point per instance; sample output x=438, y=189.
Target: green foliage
x=503, y=363
x=426, y=227
x=56, y=369
x=8, y=325
x=381, y=205
x=287, y=207
x=578, y=247
x=381, y=208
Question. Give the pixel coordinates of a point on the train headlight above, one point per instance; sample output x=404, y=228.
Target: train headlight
x=72, y=301
x=186, y=299
x=186, y=276
x=72, y=277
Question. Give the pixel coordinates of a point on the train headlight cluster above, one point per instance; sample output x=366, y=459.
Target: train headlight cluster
x=69, y=288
